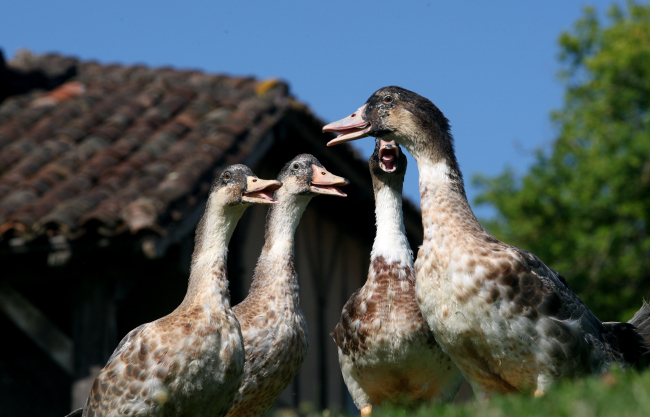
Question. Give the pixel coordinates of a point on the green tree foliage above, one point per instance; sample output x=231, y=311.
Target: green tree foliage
x=584, y=206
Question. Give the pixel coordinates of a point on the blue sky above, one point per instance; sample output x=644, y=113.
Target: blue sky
x=489, y=66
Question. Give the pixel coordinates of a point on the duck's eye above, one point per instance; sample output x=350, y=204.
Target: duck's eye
x=226, y=176
x=388, y=99
x=296, y=166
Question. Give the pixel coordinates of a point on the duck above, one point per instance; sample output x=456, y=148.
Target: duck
x=387, y=352
x=190, y=362
x=508, y=321
x=273, y=325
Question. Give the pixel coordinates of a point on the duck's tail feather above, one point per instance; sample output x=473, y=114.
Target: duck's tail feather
x=641, y=322
x=630, y=342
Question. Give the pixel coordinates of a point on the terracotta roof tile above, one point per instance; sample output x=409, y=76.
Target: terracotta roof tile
x=114, y=148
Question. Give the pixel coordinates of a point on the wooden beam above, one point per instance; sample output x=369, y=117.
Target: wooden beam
x=37, y=327
x=94, y=325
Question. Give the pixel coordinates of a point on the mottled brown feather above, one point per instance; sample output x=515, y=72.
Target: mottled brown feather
x=410, y=368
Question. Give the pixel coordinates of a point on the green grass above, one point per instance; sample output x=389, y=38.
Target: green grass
x=617, y=393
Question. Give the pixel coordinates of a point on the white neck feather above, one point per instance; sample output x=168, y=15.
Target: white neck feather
x=208, y=277
x=218, y=228
x=282, y=223
x=433, y=173
x=390, y=241
x=445, y=210
x=434, y=176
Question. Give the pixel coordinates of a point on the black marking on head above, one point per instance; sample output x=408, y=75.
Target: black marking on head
x=233, y=177
x=400, y=162
x=300, y=167
x=387, y=99
x=233, y=174
x=382, y=105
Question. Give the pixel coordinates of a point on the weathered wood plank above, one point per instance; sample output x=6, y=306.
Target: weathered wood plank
x=37, y=327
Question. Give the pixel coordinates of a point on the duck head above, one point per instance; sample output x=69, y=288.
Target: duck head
x=387, y=165
x=305, y=175
x=387, y=158
x=395, y=113
x=237, y=185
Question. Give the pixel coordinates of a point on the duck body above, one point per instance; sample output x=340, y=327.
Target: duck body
x=387, y=352
x=275, y=336
x=509, y=322
x=144, y=378
x=273, y=325
x=506, y=319
x=190, y=362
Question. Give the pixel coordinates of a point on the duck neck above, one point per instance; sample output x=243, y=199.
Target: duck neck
x=445, y=209
x=208, y=276
x=390, y=241
x=275, y=265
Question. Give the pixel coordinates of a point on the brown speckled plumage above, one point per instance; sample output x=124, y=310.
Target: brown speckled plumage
x=190, y=362
x=393, y=355
x=273, y=325
x=370, y=302
x=275, y=338
x=387, y=353
x=508, y=321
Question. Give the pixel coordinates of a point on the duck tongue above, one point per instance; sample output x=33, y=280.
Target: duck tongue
x=388, y=155
x=262, y=196
x=389, y=162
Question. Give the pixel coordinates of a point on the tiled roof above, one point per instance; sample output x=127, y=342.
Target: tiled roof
x=119, y=149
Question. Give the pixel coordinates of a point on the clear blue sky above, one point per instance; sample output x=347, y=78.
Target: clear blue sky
x=489, y=66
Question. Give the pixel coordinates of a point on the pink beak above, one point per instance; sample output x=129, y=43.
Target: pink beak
x=351, y=128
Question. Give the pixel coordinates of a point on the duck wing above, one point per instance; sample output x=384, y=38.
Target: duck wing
x=554, y=296
x=346, y=334
x=568, y=331
x=126, y=342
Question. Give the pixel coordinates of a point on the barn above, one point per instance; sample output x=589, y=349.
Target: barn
x=104, y=174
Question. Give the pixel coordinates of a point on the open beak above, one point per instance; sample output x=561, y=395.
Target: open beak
x=324, y=182
x=351, y=128
x=388, y=155
x=260, y=191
